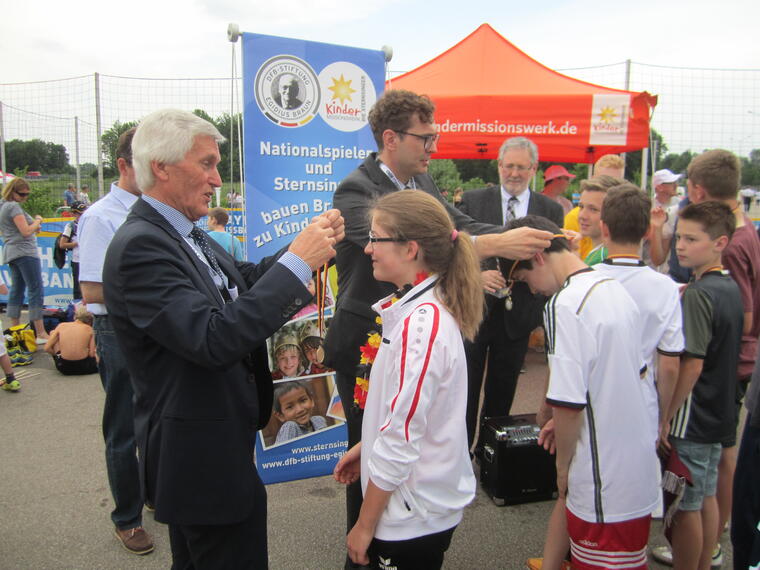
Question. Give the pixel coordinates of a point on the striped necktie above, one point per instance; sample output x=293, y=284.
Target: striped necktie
x=201, y=239
x=510, y=213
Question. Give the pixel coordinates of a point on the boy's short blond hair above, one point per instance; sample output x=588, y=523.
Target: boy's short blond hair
x=83, y=315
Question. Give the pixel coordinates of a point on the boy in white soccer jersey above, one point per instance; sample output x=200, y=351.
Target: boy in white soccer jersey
x=625, y=222
x=606, y=461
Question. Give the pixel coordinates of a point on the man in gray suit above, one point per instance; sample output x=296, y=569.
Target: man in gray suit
x=504, y=334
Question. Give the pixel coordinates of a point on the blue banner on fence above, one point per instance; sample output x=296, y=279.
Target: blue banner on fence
x=305, y=129
x=57, y=283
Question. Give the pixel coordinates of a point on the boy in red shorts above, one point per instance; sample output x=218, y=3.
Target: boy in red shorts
x=606, y=460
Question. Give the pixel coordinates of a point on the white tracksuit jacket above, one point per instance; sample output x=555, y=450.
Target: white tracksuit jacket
x=414, y=438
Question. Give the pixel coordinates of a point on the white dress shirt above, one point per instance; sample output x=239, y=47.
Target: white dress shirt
x=96, y=228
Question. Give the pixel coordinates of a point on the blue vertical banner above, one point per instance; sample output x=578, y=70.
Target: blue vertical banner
x=305, y=128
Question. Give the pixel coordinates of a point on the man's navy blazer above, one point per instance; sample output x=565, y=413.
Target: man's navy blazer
x=198, y=366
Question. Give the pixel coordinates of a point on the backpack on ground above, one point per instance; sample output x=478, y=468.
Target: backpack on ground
x=21, y=337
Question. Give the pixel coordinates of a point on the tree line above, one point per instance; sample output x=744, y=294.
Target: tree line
x=477, y=173
x=51, y=158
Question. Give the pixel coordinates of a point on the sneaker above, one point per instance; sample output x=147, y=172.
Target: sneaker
x=135, y=540
x=12, y=386
x=20, y=358
x=664, y=555
x=537, y=564
x=41, y=341
x=717, y=557
x=149, y=507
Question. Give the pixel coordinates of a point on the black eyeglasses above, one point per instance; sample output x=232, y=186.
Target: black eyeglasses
x=22, y=194
x=430, y=140
x=374, y=239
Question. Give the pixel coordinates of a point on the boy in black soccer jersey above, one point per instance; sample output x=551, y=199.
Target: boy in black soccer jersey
x=701, y=411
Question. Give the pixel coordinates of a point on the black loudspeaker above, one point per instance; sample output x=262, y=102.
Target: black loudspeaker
x=514, y=469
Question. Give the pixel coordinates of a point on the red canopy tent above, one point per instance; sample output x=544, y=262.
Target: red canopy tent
x=486, y=90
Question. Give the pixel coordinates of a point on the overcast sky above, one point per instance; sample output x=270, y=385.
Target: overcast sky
x=46, y=39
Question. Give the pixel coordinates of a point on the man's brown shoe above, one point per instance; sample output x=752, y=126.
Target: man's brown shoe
x=136, y=540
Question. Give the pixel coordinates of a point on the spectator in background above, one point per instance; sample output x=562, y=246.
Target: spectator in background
x=68, y=241
x=664, y=213
x=96, y=229
x=18, y=230
x=501, y=344
x=72, y=345
x=234, y=200
x=593, y=192
x=664, y=184
x=84, y=195
x=217, y=221
x=747, y=195
x=69, y=195
x=611, y=165
x=556, y=181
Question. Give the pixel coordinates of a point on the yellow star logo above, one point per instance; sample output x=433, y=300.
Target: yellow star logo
x=341, y=89
x=608, y=115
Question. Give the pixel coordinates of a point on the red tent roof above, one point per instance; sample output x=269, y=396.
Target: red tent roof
x=486, y=90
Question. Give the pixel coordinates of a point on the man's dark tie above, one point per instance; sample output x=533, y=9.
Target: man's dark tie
x=511, y=205
x=201, y=238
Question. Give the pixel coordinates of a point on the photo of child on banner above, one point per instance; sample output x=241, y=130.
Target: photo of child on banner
x=296, y=350
x=301, y=408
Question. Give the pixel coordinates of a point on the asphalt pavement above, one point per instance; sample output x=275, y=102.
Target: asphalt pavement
x=55, y=500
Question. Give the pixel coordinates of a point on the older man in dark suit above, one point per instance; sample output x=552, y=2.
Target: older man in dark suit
x=404, y=130
x=192, y=323
x=503, y=337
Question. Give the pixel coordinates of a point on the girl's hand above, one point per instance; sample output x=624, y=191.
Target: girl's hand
x=357, y=542
x=348, y=468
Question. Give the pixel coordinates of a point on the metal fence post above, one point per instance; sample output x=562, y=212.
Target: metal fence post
x=644, y=167
x=76, y=152
x=98, y=129
x=627, y=88
x=2, y=145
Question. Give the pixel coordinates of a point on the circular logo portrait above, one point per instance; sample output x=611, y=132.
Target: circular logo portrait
x=347, y=96
x=287, y=91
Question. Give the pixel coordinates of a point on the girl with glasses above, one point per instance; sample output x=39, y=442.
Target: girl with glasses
x=413, y=459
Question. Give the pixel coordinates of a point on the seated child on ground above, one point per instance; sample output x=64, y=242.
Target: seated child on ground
x=72, y=345
x=293, y=406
